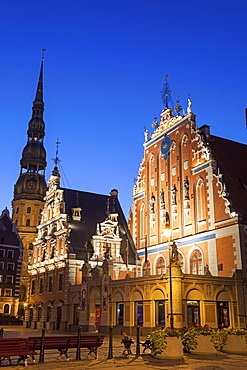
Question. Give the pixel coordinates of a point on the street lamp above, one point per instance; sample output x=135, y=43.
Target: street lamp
x=168, y=232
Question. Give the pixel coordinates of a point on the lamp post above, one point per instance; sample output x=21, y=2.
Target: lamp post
x=168, y=232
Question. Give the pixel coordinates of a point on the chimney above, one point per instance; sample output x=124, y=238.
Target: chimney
x=206, y=130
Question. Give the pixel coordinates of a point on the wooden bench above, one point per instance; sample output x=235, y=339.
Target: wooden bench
x=63, y=343
x=20, y=347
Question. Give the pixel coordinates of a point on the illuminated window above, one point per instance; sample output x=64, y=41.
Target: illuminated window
x=196, y=262
x=160, y=313
x=160, y=266
x=139, y=313
x=146, y=268
x=181, y=260
x=120, y=314
x=142, y=222
x=200, y=201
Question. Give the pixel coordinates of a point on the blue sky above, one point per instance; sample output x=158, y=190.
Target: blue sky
x=104, y=68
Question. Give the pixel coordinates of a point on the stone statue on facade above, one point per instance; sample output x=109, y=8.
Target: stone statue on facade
x=186, y=189
x=174, y=255
x=174, y=195
x=162, y=200
x=151, y=204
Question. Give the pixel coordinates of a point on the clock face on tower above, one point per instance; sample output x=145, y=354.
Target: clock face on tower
x=165, y=147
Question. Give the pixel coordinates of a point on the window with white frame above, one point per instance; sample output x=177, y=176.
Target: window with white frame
x=1, y=265
x=160, y=266
x=1, y=253
x=10, y=266
x=10, y=254
x=9, y=279
x=7, y=292
x=196, y=262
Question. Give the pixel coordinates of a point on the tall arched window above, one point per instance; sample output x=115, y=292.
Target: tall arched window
x=142, y=222
x=6, y=308
x=160, y=266
x=146, y=268
x=196, y=262
x=181, y=260
x=28, y=209
x=28, y=222
x=200, y=200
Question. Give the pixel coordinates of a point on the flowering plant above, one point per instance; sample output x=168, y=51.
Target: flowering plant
x=158, y=339
x=191, y=333
x=236, y=331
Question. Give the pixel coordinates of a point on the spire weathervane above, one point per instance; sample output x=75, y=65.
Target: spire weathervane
x=166, y=93
x=56, y=160
x=43, y=54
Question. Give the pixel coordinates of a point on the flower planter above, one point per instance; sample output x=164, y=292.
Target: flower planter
x=205, y=346
x=173, y=351
x=235, y=344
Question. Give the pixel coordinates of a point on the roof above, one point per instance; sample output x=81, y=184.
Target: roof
x=231, y=159
x=8, y=232
x=93, y=212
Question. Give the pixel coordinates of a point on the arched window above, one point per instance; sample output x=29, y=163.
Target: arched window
x=28, y=222
x=17, y=210
x=146, y=268
x=16, y=222
x=200, y=201
x=196, y=262
x=181, y=261
x=28, y=209
x=142, y=222
x=6, y=308
x=160, y=266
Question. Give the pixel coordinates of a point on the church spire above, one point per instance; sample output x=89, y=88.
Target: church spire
x=31, y=183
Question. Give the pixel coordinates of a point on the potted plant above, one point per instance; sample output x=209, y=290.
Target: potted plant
x=166, y=344
x=236, y=340
x=203, y=339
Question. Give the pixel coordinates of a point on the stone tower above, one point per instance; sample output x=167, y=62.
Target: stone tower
x=30, y=188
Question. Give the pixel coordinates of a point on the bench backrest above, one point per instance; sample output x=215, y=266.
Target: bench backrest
x=57, y=342
x=13, y=344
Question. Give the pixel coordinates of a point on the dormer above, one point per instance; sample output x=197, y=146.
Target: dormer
x=76, y=213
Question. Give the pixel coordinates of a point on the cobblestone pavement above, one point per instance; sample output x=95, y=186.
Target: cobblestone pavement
x=190, y=362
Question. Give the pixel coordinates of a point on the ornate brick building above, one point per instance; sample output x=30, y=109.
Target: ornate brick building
x=195, y=184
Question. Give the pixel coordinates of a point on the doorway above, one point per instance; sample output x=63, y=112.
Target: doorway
x=59, y=317
x=193, y=313
x=223, y=314
x=97, y=317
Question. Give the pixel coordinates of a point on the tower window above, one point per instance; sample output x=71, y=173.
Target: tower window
x=28, y=209
x=17, y=210
x=16, y=222
x=28, y=222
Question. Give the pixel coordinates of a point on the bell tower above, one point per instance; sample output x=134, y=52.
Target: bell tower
x=30, y=188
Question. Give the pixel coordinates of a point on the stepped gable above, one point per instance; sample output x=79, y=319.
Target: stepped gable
x=93, y=212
